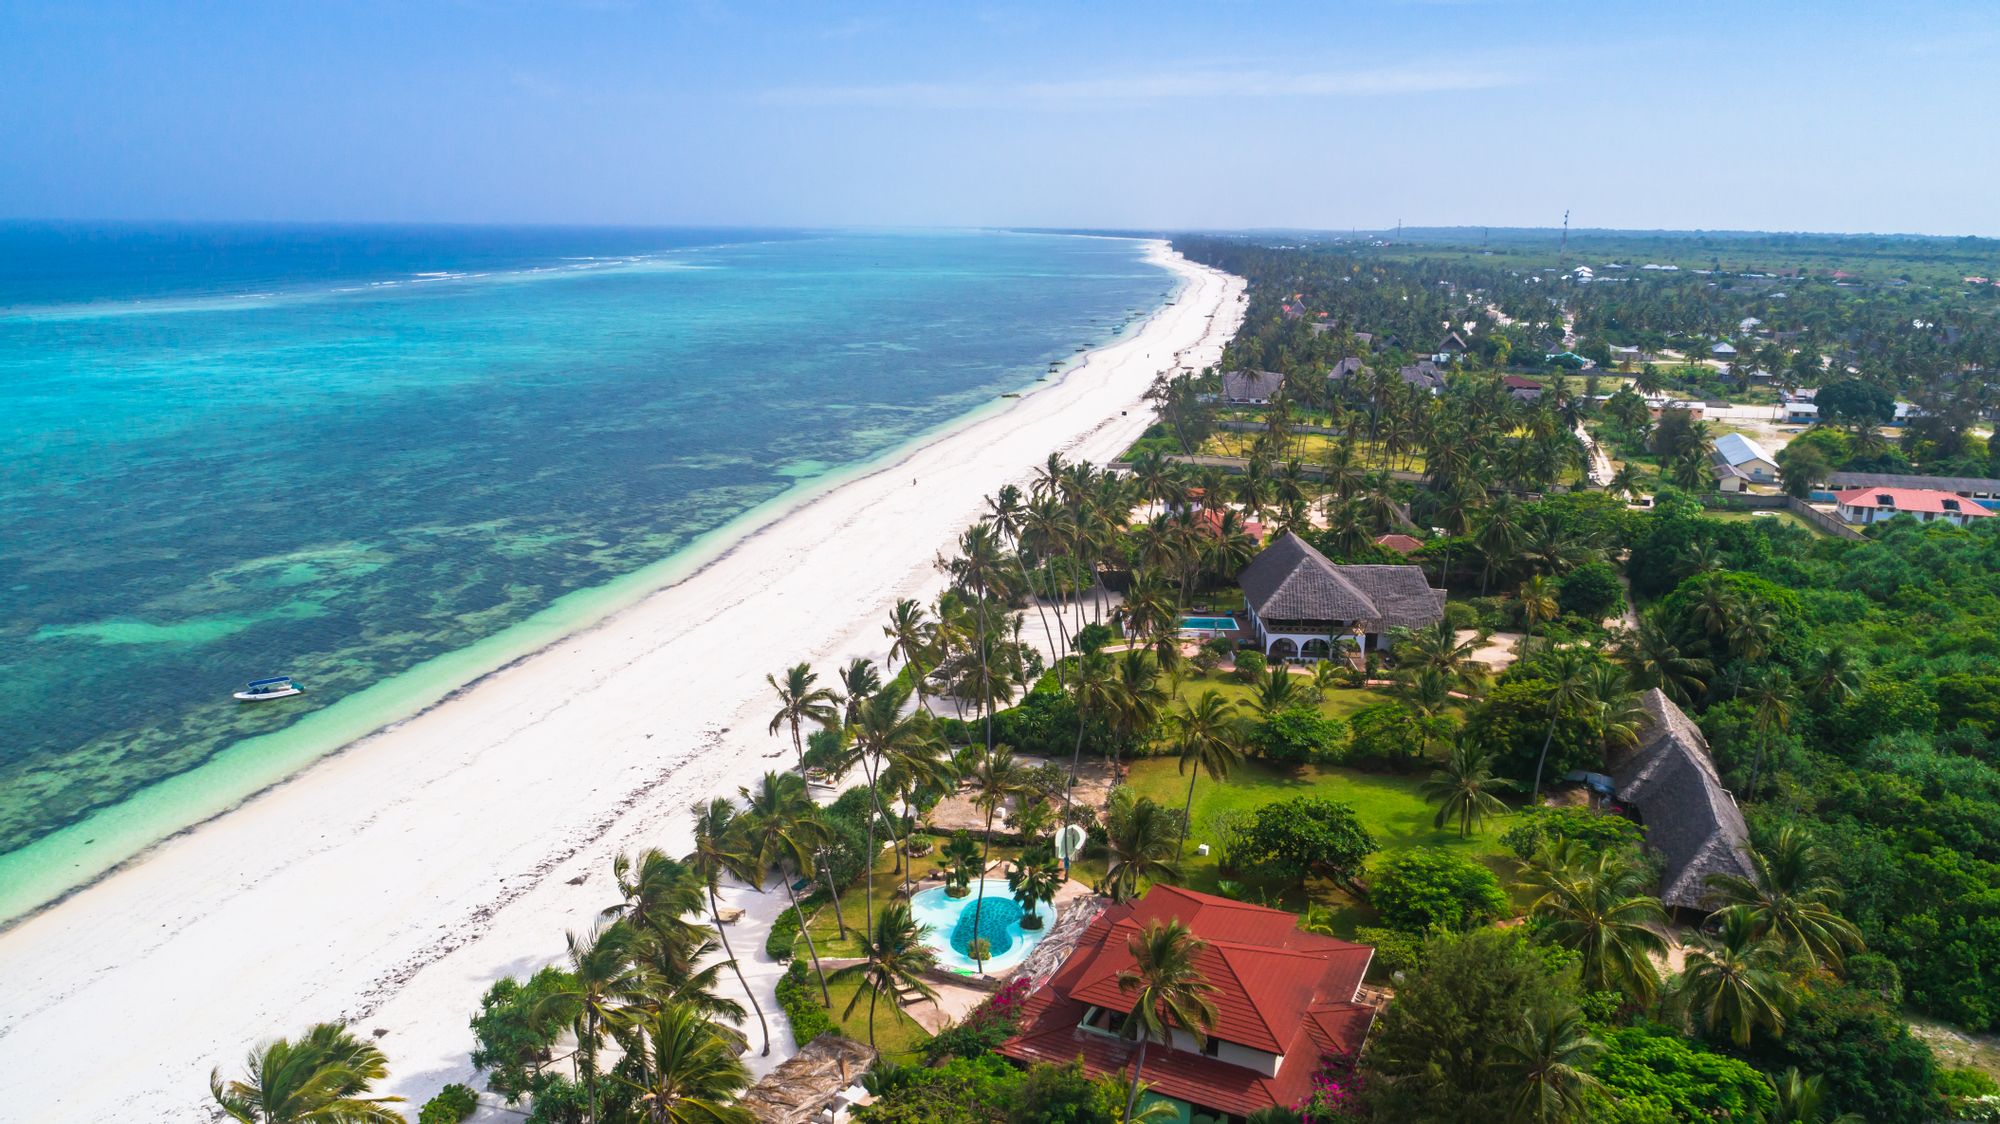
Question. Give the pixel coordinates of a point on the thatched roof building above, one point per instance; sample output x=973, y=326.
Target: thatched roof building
x=803, y=1086
x=1691, y=820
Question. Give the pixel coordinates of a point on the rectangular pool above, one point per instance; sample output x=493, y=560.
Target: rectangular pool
x=1208, y=624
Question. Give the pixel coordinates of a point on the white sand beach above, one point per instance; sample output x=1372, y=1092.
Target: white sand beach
x=390, y=884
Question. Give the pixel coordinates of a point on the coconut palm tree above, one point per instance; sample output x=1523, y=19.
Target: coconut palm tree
x=996, y=779
x=1597, y=905
x=1438, y=646
x=800, y=702
x=1568, y=671
x=858, y=680
x=1034, y=879
x=1791, y=897
x=323, y=1075
x=602, y=984
x=1803, y=1100
x=656, y=895
x=911, y=637
x=897, y=959
x=1168, y=992
x=981, y=570
x=1832, y=674
x=913, y=765
x=1208, y=738
x=1464, y=788
x=688, y=1071
x=1538, y=604
x=781, y=833
x=1137, y=700
x=1733, y=982
x=1771, y=695
x=1547, y=1061
x=716, y=852
x=1652, y=659
x=1093, y=690
x=1141, y=839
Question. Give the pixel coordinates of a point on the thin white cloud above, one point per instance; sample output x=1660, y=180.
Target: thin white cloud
x=1176, y=85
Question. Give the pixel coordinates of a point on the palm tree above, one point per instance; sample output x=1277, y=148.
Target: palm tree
x=799, y=702
x=603, y=983
x=980, y=569
x=1208, y=742
x=1652, y=659
x=1169, y=992
x=858, y=680
x=1136, y=700
x=1568, y=671
x=716, y=853
x=1538, y=604
x=1733, y=982
x=1034, y=879
x=1140, y=837
x=1791, y=897
x=1833, y=674
x=1771, y=694
x=323, y=1076
x=781, y=832
x=656, y=895
x=1093, y=690
x=1464, y=789
x=1803, y=1100
x=1438, y=646
x=1548, y=1061
x=913, y=761
x=1597, y=905
x=898, y=957
x=688, y=1070
x=910, y=639
x=995, y=780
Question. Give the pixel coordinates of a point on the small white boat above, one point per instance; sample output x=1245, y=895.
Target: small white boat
x=277, y=687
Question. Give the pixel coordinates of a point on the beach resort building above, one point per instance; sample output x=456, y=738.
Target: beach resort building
x=1741, y=453
x=1250, y=388
x=1669, y=783
x=1424, y=375
x=1929, y=505
x=1301, y=604
x=1284, y=1000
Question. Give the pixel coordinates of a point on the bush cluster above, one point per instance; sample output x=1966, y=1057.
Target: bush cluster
x=799, y=996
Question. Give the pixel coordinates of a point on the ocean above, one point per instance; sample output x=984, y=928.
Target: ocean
x=386, y=460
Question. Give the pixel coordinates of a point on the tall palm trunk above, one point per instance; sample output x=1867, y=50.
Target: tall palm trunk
x=715, y=914
x=1075, y=762
x=1132, y=1095
x=875, y=799
x=806, y=931
x=1536, y=799
x=979, y=903
x=833, y=889
x=873, y=993
x=1187, y=809
x=799, y=747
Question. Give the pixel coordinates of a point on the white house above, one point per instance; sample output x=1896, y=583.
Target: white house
x=1740, y=452
x=1801, y=413
x=1872, y=505
x=1301, y=603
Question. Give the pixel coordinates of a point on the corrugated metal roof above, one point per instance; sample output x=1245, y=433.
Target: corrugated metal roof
x=1738, y=449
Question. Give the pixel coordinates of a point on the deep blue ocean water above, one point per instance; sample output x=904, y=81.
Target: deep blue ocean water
x=339, y=453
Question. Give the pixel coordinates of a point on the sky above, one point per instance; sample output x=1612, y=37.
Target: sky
x=1835, y=115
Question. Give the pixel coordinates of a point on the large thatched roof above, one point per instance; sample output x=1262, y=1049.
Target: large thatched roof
x=1691, y=820
x=801, y=1086
x=1290, y=581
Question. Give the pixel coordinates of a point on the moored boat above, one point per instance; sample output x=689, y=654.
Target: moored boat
x=276, y=687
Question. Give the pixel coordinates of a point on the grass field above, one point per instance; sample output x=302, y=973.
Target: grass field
x=897, y=1035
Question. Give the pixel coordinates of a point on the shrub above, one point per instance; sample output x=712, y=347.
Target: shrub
x=1251, y=667
x=1431, y=888
x=452, y=1104
x=1305, y=837
x=1513, y=721
x=799, y=996
x=1460, y=616
x=1592, y=830
x=1657, y=1067
x=1395, y=950
x=1383, y=734
x=784, y=934
x=1871, y=1062
x=1297, y=735
x=984, y=1028
x=1591, y=591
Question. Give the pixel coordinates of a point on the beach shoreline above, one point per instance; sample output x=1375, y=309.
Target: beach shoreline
x=389, y=883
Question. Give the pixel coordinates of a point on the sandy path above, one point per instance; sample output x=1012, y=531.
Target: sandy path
x=391, y=883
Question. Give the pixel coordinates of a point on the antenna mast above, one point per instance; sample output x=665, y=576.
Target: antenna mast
x=1562, y=256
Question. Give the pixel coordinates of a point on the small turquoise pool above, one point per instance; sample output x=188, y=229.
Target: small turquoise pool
x=1208, y=624
x=951, y=920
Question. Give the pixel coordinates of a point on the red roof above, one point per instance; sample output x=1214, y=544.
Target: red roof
x=1211, y=520
x=1516, y=382
x=1277, y=990
x=1401, y=544
x=1917, y=500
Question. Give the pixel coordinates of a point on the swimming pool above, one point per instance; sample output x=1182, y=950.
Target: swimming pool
x=951, y=919
x=1208, y=624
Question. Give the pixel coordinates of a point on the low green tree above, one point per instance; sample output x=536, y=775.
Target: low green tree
x=1306, y=837
x=1430, y=888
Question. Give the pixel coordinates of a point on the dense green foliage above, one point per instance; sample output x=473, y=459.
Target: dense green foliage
x=800, y=1000
x=1432, y=888
x=1306, y=838
x=452, y=1104
x=1297, y=735
x=1654, y=1073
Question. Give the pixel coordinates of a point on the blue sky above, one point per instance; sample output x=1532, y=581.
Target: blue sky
x=1833, y=115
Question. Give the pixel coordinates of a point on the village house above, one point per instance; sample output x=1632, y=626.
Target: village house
x=1982, y=488
x=1301, y=604
x=1350, y=367
x=1284, y=1000
x=1452, y=346
x=1424, y=375
x=1250, y=388
x=1728, y=477
x=1740, y=452
x=1523, y=389
x=1873, y=505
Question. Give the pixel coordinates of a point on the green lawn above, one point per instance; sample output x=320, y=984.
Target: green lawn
x=898, y=1036
x=1763, y=516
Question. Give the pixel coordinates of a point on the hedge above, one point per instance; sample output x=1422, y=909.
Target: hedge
x=452, y=1104
x=800, y=999
x=784, y=935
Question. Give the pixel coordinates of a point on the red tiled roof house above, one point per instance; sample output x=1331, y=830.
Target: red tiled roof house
x=1285, y=1000
x=1872, y=505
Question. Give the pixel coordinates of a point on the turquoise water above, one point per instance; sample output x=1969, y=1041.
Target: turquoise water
x=386, y=460
x=1208, y=624
x=999, y=921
